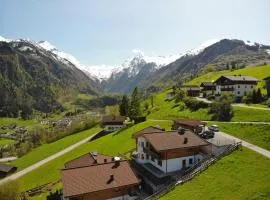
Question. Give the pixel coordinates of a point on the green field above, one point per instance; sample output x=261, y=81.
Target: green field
x=239, y=176
x=259, y=72
x=170, y=110
x=113, y=144
x=46, y=150
x=7, y=121
x=5, y=141
x=258, y=134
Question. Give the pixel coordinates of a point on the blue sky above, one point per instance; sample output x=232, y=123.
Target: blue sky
x=105, y=32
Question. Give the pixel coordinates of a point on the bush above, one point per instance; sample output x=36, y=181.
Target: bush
x=222, y=109
x=194, y=104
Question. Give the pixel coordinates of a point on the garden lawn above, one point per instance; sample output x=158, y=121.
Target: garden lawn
x=112, y=144
x=250, y=114
x=239, y=176
x=257, y=134
x=5, y=141
x=7, y=121
x=47, y=150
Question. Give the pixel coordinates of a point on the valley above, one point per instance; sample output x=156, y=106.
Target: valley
x=53, y=106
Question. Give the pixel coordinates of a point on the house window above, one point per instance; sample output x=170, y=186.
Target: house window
x=238, y=86
x=190, y=161
x=160, y=163
x=238, y=92
x=251, y=86
x=142, y=144
x=147, y=157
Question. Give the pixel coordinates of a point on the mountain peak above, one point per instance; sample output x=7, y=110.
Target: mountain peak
x=46, y=45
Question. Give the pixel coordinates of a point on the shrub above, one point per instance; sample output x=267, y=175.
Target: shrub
x=194, y=104
x=10, y=191
x=222, y=109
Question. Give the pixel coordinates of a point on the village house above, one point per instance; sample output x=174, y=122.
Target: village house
x=193, y=125
x=113, y=123
x=192, y=90
x=164, y=152
x=99, y=177
x=267, y=85
x=6, y=170
x=208, y=88
x=236, y=84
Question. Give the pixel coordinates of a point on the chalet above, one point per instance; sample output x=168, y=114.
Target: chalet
x=236, y=84
x=6, y=170
x=267, y=85
x=208, y=88
x=195, y=126
x=170, y=151
x=192, y=90
x=113, y=123
x=99, y=177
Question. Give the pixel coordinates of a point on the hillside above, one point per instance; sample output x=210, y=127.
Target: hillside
x=33, y=78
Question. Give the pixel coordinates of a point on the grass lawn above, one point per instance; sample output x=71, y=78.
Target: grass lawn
x=112, y=144
x=46, y=150
x=250, y=114
x=258, y=134
x=5, y=141
x=7, y=121
x=239, y=176
x=170, y=110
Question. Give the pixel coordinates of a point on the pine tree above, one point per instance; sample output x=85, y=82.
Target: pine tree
x=135, y=107
x=124, y=106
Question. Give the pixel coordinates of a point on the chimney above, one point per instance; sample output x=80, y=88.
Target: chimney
x=111, y=179
x=181, y=131
x=185, y=140
x=105, y=160
x=112, y=158
x=116, y=162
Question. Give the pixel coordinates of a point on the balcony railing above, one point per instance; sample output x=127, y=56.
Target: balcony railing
x=151, y=153
x=226, y=89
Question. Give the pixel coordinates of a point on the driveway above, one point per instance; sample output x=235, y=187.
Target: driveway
x=46, y=160
x=247, y=106
x=222, y=138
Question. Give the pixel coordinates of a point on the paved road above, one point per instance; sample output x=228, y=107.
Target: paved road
x=265, y=123
x=46, y=160
x=245, y=144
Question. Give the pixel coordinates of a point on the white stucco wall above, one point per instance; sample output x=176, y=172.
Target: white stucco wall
x=169, y=165
x=239, y=90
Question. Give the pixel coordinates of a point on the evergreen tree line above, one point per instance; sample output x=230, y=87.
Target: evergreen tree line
x=254, y=97
x=131, y=106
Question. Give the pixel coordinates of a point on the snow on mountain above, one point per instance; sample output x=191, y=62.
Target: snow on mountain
x=2, y=39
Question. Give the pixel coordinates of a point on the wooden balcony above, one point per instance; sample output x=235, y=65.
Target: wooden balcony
x=151, y=153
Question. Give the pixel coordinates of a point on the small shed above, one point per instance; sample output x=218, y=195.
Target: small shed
x=5, y=170
x=194, y=125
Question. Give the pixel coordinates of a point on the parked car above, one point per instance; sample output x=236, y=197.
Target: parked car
x=208, y=134
x=213, y=128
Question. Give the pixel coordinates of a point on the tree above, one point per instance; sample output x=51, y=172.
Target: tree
x=135, y=106
x=259, y=97
x=10, y=191
x=179, y=94
x=124, y=106
x=112, y=110
x=146, y=105
x=152, y=101
x=222, y=109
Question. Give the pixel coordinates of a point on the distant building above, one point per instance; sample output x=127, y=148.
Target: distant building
x=164, y=152
x=192, y=90
x=6, y=170
x=99, y=177
x=113, y=123
x=208, y=88
x=236, y=84
x=267, y=85
x=196, y=126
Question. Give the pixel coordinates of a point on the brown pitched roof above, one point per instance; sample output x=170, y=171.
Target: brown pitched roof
x=88, y=160
x=6, y=168
x=97, y=178
x=149, y=129
x=240, y=78
x=113, y=119
x=173, y=140
x=189, y=122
